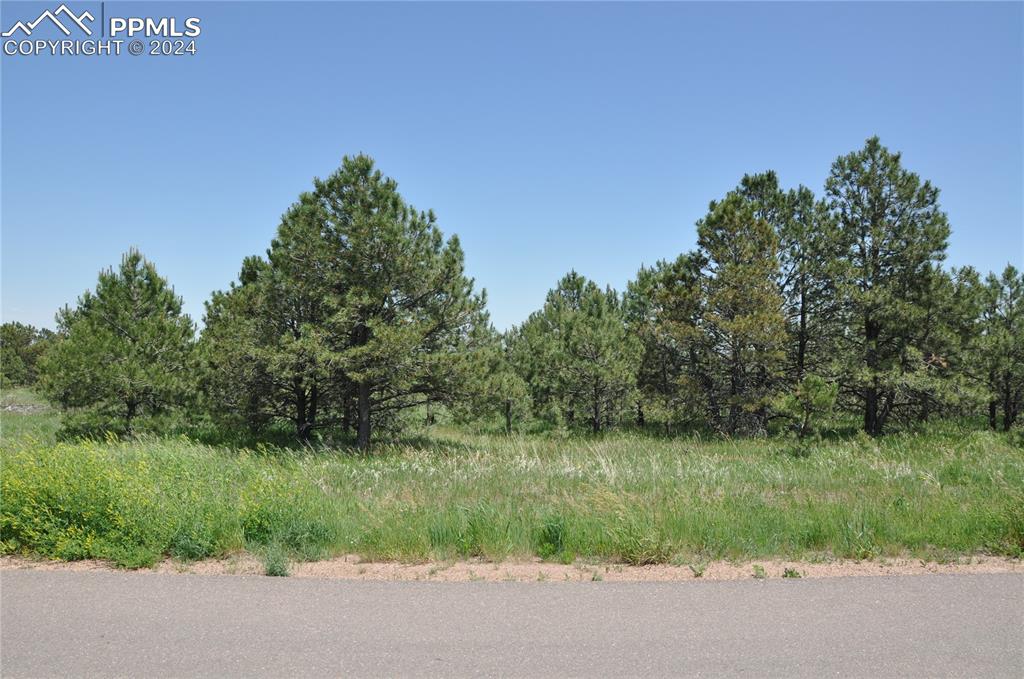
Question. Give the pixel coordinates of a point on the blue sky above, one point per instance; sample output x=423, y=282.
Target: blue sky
x=548, y=136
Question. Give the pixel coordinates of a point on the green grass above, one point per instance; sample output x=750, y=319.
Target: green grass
x=275, y=561
x=622, y=497
x=26, y=416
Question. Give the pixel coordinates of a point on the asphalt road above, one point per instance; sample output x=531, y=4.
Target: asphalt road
x=96, y=624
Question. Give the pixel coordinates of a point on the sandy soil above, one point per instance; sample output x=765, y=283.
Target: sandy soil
x=351, y=568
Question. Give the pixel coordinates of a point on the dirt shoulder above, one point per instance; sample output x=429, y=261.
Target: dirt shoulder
x=352, y=568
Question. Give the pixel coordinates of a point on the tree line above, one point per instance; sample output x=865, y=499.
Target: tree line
x=792, y=309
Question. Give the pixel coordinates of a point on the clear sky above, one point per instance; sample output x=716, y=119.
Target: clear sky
x=547, y=136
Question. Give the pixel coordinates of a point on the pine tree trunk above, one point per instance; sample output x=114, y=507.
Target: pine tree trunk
x=1015, y=406
x=301, y=424
x=871, y=411
x=707, y=385
x=801, y=347
x=363, y=434
x=993, y=407
x=871, y=421
x=309, y=418
x=640, y=419
x=129, y=415
x=314, y=399
x=1007, y=407
x=761, y=415
x=733, y=423
x=508, y=416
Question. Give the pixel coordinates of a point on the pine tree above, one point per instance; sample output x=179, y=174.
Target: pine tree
x=1001, y=346
x=808, y=252
x=402, y=309
x=742, y=313
x=641, y=317
x=360, y=310
x=124, y=354
x=577, y=354
x=893, y=233
x=21, y=346
x=938, y=359
x=807, y=405
x=688, y=380
x=532, y=349
x=666, y=368
x=264, y=345
x=494, y=387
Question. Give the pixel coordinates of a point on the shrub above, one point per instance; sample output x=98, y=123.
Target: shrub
x=275, y=561
x=550, y=538
x=808, y=406
x=136, y=503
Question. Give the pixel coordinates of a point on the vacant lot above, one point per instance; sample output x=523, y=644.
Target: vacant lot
x=621, y=498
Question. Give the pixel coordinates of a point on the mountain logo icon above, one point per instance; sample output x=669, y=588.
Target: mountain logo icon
x=76, y=19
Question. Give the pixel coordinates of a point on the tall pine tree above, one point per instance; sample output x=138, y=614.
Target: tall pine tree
x=361, y=310
x=742, y=312
x=403, y=310
x=893, y=234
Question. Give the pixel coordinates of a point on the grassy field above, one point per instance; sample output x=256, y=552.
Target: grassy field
x=622, y=497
